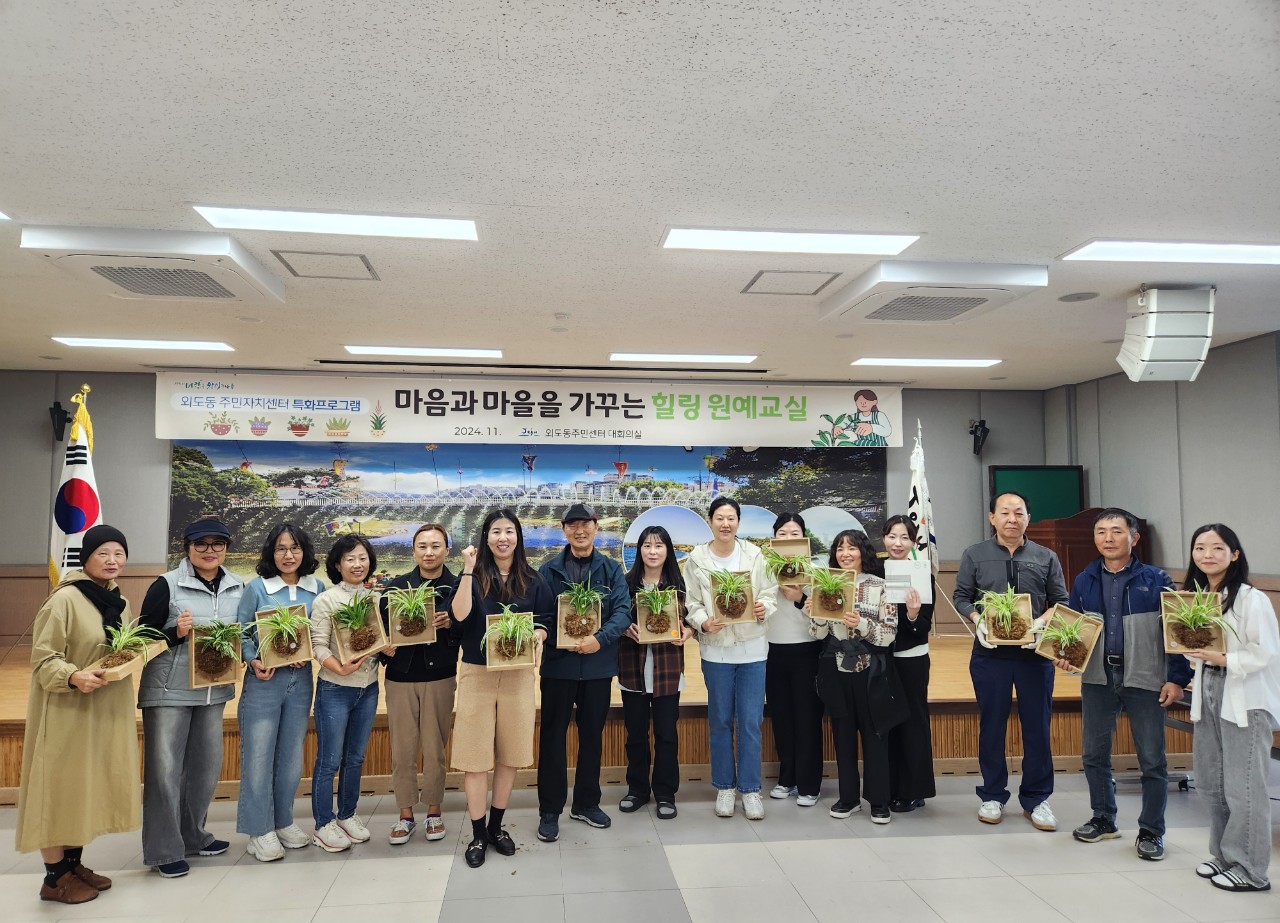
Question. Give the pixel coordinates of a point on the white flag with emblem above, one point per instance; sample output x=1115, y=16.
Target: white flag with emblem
x=919, y=506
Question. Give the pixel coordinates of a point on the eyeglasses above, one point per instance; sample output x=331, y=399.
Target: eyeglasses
x=291, y=549
x=218, y=545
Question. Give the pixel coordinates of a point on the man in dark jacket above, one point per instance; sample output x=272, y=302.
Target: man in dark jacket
x=581, y=676
x=1129, y=669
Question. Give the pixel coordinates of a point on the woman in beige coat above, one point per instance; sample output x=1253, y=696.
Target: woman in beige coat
x=80, y=751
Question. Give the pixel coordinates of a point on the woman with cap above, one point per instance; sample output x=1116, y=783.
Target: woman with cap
x=275, y=704
x=182, y=727
x=80, y=747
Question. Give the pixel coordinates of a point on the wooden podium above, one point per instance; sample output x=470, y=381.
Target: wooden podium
x=1071, y=539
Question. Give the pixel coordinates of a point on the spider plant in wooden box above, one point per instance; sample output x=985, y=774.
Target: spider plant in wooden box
x=657, y=615
x=509, y=640
x=1006, y=616
x=578, y=613
x=215, y=653
x=129, y=647
x=833, y=594
x=1193, y=621
x=284, y=635
x=357, y=630
x=1069, y=636
x=788, y=561
x=731, y=594
x=412, y=614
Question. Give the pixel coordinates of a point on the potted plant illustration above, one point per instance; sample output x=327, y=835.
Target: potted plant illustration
x=731, y=595
x=1070, y=636
x=338, y=426
x=215, y=653
x=834, y=437
x=300, y=426
x=788, y=560
x=259, y=425
x=357, y=632
x=284, y=635
x=657, y=615
x=1007, y=617
x=129, y=647
x=832, y=593
x=577, y=614
x=509, y=640
x=377, y=421
x=411, y=614
x=221, y=423
x=1193, y=621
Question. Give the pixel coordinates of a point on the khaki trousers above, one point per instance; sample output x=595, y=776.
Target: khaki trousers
x=419, y=716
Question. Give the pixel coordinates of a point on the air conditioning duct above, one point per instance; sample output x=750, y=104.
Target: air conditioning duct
x=1167, y=335
x=907, y=292
x=144, y=265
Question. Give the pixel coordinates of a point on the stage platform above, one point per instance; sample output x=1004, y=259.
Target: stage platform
x=953, y=710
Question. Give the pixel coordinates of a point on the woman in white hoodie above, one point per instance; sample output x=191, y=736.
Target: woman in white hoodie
x=734, y=654
x=1235, y=706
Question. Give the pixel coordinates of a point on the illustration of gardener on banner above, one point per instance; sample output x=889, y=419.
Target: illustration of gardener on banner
x=868, y=428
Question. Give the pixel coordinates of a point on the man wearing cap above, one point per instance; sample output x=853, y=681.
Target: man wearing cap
x=182, y=727
x=581, y=676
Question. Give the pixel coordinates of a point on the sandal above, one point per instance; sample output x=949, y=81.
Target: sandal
x=1231, y=880
x=1209, y=869
x=632, y=802
x=666, y=810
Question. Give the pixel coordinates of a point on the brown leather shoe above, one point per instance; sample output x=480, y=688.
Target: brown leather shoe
x=68, y=890
x=92, y=878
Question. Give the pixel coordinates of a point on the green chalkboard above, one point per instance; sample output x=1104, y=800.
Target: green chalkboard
x=1052, y=491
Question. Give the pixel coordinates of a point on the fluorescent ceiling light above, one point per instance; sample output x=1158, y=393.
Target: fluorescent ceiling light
x=424, y=351
x=1156, y=251
x=144, y=344
x=931, y=363
x=786, y=241
x=3, y=217
x=680, y=357
x=267, y=219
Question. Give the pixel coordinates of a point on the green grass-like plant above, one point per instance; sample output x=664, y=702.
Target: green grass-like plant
x=730, y=591
x=655, y=601
x=1067, y=637
x=509, y=633
x=829, y=587
x=583, y=597
x=999, y=612
x=1203, y=611
x=411, y=605
x=128, y=641
x=354, y=615
x=283, y=625
x=783, y=566
x=220, y=637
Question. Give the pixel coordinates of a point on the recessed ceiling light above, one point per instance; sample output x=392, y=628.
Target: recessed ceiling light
x=1156, y=251
x=786, y=241
x=681, y=357
x=930, y=363
x=424, y=351
x=268, y=219
x=1079, y=296
x=144, y=344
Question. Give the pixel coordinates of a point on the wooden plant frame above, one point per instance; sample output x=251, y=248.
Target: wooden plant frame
x=1023, y=606
x=672, y=609
x=342, y=639
x=1171, y=644
x=565, y=612
x=267, y=654
x=792, y=548
x=428, y=636
x=1090, y=634
x=130, y=667
x=850, y=598
x=197, y=679
x=523, y=661
x=748, y=614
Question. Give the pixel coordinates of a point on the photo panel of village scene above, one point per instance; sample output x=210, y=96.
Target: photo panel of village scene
x=384, y=491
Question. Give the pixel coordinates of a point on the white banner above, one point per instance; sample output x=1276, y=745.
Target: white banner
x=492, y=410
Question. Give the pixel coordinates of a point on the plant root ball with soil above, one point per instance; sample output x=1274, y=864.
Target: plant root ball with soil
x=116, y=659
x=733, y=608
x=506, y=648
x=284, y=647
x=1193, y=639
x=363, y=638
x=579, y=624
x=657, y=623
x=1018, y=628
x=1074, y=653
x=830, y=602
x=411, y=628
x=212, y=663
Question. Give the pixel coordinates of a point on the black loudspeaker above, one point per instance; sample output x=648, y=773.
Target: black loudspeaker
x=60, y=419
x=979, y=431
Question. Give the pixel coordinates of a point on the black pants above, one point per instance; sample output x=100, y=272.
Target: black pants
x=911, y=742
x=850, y=710
x=638, y=708
x=559, y=696
x=795, y=712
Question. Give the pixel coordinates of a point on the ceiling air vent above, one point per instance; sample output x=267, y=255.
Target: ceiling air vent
x=905, y=292
x=157, y=265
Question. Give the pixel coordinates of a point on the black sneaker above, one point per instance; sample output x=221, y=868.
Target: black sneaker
x=215, y=848
x=843, y=809
x=905, y=807
x=593, y=816
x=1097, y=828
x=880, y=815
x=1149, y=846
x=548, y=827
x=173, y=869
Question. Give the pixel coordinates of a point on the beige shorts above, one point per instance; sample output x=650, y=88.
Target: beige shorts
x=494, y=720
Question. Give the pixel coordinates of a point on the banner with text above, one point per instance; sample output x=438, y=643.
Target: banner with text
x=493, y=410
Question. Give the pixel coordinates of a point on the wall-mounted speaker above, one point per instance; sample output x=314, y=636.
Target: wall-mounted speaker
x=1167, y=335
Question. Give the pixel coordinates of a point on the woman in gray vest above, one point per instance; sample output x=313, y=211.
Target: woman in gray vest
x=182, y=727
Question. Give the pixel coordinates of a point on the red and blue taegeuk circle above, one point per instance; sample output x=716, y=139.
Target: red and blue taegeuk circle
x=76, y=507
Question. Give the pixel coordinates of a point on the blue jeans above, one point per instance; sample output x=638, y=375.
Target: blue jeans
x=344, y=720
x=1099, y=705
x=994, y=682
x=273, y=717
x=735, y=701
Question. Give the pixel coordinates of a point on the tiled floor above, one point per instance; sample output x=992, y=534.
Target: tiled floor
x=797, y=865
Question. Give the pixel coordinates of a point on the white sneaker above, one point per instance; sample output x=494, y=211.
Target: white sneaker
x=433, y=829
x=781, y=791
x=806, y=801
x=991, y=812
x=726, y=799
x=753, y=805
x=1042, y=817
x=266, y=848
x=330, y=838
x=293, y=837
x=354, y=828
